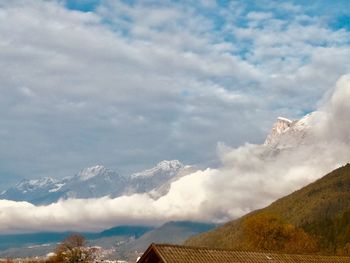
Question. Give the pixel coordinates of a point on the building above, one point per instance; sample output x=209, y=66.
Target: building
x=163, y=253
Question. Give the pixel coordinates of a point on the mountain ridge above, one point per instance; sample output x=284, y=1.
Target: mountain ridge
x=98, y=181
x=94, y=182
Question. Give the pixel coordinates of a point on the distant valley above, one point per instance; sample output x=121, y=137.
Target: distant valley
x=125, y=242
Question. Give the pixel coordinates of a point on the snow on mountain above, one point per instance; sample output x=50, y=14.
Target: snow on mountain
x=96, y=181
x=29, y=189
x=280, y=127
x=93, y=182
x=30, y=185
x=287, y=134
x=157, y=180
x=90, y=172
x=168, y=168
x=56, y=188
x=164, y=188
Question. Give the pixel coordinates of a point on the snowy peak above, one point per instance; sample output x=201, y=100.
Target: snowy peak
x=95, y=182
x=169, y=165
x=287, y=133
x=305, y=122
x=283, y=121
x=157, y=179
x=29, y=185
x=280, y=127
x=164, y=167
x=91, y=172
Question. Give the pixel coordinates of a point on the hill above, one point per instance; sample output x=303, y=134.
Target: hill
x=174, y=232
x=171, y=232
x=317, y=216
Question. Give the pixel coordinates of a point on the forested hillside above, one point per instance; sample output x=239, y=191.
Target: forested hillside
x=314, y=219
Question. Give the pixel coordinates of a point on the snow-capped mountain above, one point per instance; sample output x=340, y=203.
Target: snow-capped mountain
x=164, y=168
x=99, y=181
x=95, y=182
x=91, y=172
x=287, y=134
x=29, y=189
x=163, y=172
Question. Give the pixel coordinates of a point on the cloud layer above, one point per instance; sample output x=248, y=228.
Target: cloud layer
x=247, y=179
x=128, y=85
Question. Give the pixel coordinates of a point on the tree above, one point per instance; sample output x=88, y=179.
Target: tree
x=73, y=250
x=265, y=231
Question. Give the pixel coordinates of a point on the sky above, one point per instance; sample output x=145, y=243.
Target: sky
x=127, y=84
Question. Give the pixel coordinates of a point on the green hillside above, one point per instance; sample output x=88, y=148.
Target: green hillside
x=315, y=219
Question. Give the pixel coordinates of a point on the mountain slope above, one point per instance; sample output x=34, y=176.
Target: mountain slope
x=97, y=181
x=90, y=182
x=321, y=210
x=171, y=233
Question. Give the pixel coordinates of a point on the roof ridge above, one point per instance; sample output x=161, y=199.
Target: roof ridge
x=244, y=251
x=215, y=249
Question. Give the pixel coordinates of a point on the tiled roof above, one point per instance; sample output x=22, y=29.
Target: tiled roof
x=182, y=254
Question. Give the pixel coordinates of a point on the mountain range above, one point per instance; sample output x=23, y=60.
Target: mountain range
x=98, y=181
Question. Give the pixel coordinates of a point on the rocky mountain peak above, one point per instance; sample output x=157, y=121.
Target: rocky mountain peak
x=281, y=126
x=90, y=172
x=288, y=134
x=26, y=185
x=163, y=167
x=169, y=165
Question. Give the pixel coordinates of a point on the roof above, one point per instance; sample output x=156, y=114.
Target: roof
x=164, y=253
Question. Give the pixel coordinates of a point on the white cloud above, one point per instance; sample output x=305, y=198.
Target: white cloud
x=95, y=214
x=259, y=16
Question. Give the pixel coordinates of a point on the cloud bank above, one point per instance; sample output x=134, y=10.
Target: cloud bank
x=247, y=179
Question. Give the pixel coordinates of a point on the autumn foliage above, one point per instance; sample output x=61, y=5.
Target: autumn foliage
x=265, y=231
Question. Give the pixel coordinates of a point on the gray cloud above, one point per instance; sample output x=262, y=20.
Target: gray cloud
x=126, y=89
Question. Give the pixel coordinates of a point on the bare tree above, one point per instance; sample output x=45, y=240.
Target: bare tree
x=73, y=250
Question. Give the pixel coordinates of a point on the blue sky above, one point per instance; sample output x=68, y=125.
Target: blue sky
x=127, y=84
x=84, y=6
